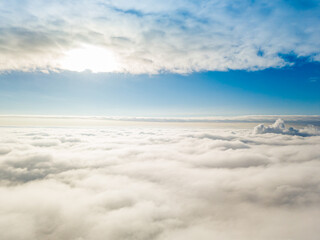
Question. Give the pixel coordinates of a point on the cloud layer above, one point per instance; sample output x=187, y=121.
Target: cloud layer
x=151, y=36
x=157, y=183
x=45, y=120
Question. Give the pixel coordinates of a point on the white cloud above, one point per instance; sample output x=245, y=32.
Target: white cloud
x=26, y=120
x=158, y=183
x=4, y=150
x=280, y=128
x=151, y=36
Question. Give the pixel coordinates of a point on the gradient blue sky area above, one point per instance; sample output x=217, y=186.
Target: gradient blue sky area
x=290, y=90
x=160, y=58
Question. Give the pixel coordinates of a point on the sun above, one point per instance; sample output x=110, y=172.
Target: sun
x=88, y=57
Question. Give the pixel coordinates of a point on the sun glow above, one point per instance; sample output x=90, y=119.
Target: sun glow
x=95, y=59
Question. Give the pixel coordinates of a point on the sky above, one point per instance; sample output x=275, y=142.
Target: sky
x=159, y=119
x=160, y=58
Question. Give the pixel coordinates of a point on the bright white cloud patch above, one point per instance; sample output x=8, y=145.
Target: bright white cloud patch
x=279, y=127
x=157, y=183
x=89, y=57
x=154, y=36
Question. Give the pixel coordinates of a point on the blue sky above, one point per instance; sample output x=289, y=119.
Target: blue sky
x=290, y=90
x=160, y=58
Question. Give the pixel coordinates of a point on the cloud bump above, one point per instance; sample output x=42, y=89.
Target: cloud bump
x=279, y=128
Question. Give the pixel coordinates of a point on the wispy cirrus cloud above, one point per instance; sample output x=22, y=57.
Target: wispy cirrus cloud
x=151, y=37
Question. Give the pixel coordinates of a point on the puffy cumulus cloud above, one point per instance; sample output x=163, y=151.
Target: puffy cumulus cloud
x=4, y=150
x=280, y=128
x=154, y=36
x=157, y=183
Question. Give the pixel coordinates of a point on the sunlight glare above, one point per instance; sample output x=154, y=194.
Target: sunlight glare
x=95, y=59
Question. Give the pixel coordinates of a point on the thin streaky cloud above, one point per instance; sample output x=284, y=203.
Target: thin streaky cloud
x=298, y=119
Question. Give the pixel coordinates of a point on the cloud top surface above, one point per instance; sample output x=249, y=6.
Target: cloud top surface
x=158, y=183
